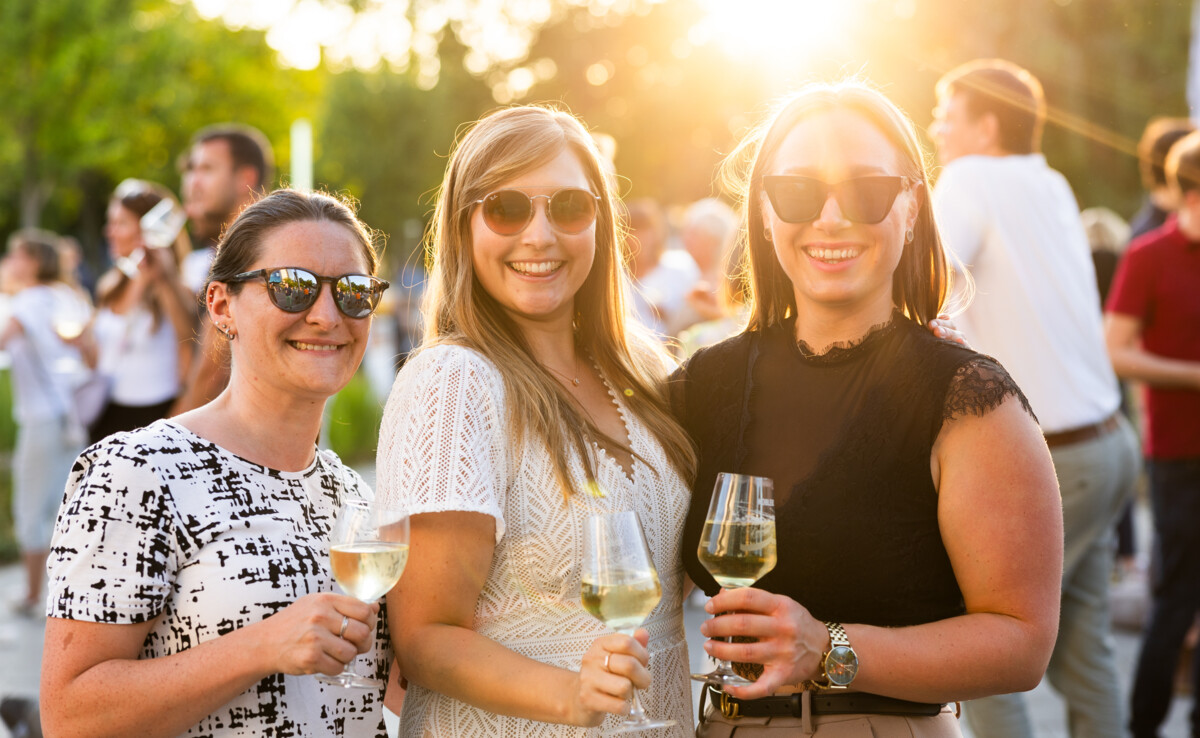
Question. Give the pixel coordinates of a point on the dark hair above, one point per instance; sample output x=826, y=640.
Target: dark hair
x=42, y=247
x=921, y=280
x=248, y=147
x=1005, y=90
x=1183, y=163
x=242, y=241
x=1158, y=138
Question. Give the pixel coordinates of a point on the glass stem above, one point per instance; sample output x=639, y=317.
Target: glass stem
x=636, y=713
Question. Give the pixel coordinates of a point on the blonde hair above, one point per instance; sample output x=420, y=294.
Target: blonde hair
x=459, y=311
x=921, y=281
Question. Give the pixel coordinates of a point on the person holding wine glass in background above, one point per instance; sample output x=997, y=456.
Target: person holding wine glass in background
x=142, y=332
x=923, y=551
x=227, y=511
x=531, y=404
x=45, y=368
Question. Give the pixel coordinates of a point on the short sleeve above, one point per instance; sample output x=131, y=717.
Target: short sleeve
x=442, y=444
x=115, y=553
x=1132, y=286
x=979, y=386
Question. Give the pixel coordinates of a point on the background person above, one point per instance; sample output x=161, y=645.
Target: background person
x=227, y=510
x=662, y=277
x=1014, y=223
x=1153, y=333
x=226, y=168
x=918, y=519
x=44, y=370
x=1160, y=198
x=144, y=322
x=531, y=404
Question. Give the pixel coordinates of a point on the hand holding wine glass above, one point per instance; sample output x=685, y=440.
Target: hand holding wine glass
x=368, y=549
x=737, y=544
x=620, y=587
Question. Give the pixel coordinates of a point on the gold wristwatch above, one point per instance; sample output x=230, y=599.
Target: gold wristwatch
x=840, y=662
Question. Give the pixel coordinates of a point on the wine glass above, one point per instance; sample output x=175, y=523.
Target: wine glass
x=737, y=545
x=368, y=548
x=620, y=587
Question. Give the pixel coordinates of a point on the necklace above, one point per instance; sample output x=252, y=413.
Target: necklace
x=573, y=380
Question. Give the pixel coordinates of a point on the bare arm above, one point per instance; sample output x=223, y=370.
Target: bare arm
x=1000, y=517
x=431, y=613
x=1130, y=360
x=94, y=684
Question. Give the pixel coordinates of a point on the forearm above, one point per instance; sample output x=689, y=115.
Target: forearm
x=460, y=663
x=959, y=658
x=152, y=697
x=1134, y=362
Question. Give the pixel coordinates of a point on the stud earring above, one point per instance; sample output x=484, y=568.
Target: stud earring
x=225, y=332
x=909, y=236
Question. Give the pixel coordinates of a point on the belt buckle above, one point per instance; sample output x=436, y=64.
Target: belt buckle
x=729, y=708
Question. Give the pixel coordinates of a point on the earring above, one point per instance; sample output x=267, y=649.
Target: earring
x=767, y=235
x=225, y=332
x=909, y=236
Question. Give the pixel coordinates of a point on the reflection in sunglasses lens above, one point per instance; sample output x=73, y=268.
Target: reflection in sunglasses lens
x=570, y=210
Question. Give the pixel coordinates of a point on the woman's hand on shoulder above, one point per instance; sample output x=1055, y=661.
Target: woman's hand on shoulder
x=790, y=641
x=306, y=637
x=611, y=668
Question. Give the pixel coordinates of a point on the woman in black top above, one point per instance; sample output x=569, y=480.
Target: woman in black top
x=917, y=513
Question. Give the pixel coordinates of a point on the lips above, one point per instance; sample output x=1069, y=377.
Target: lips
x=535, y=268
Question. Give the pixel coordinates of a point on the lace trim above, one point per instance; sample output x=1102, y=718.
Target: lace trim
x=979, y=386
x=844, y=350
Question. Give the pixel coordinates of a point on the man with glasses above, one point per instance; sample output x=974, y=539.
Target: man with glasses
x=1013, y=222
x=227, y=167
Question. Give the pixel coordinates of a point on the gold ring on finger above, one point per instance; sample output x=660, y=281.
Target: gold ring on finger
x=345, y=622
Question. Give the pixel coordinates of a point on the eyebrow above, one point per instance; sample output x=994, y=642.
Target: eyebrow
x=860, y=170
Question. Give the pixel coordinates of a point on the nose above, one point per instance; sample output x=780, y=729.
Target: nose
x=324, y=311
x=831, y=217
x=539, y=232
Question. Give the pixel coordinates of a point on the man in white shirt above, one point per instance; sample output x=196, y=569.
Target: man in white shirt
x=1013, y=222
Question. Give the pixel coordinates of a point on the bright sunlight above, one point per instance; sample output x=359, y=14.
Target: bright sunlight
x=778, y=32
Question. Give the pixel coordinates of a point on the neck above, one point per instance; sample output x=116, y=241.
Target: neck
x=1162, y=197
x=279, y=433
x=1189, y=223
x=822, y=325
x=553, y=345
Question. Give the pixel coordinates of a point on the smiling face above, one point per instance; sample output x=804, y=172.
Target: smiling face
x=307, y=355
x=535, y=274
x=831, y=261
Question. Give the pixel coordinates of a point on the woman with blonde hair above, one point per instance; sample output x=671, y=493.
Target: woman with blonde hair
x=531, y=404
x=923, y=548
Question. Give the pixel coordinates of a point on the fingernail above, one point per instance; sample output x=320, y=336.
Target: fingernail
x=708, y=646
x=708, y=607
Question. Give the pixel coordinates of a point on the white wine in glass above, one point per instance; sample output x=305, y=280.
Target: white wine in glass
x=368, y=549
x=737, y=544
x=620, y=588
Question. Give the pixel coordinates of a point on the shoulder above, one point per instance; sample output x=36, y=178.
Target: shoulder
x=720, y=357
x=1154, y=243
x=443, y=358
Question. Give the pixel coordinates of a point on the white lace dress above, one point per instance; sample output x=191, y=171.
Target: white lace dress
x=444, y=446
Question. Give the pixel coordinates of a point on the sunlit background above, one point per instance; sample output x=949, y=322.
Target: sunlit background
x=105, y=89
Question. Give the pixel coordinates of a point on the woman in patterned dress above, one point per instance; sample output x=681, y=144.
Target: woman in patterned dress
x=190, y=588
x=531, y=404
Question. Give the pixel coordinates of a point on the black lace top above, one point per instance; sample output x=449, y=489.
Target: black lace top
x=847, y=437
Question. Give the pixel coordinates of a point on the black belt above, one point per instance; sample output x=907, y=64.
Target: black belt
x=823, y=703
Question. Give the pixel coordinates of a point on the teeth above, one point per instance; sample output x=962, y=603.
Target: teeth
x=832, y=254
x=313, y=347
x=535, y=267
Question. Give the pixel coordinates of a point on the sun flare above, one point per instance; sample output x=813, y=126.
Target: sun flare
x=784, y=32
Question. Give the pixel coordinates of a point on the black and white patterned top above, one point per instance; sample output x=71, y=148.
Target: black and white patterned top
x=162, y=525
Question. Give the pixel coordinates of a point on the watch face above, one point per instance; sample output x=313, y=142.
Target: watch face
x=841, y=665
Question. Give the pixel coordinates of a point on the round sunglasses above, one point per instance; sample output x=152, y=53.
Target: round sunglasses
x=294, y=290
x=865, y=200
x=570, y=210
